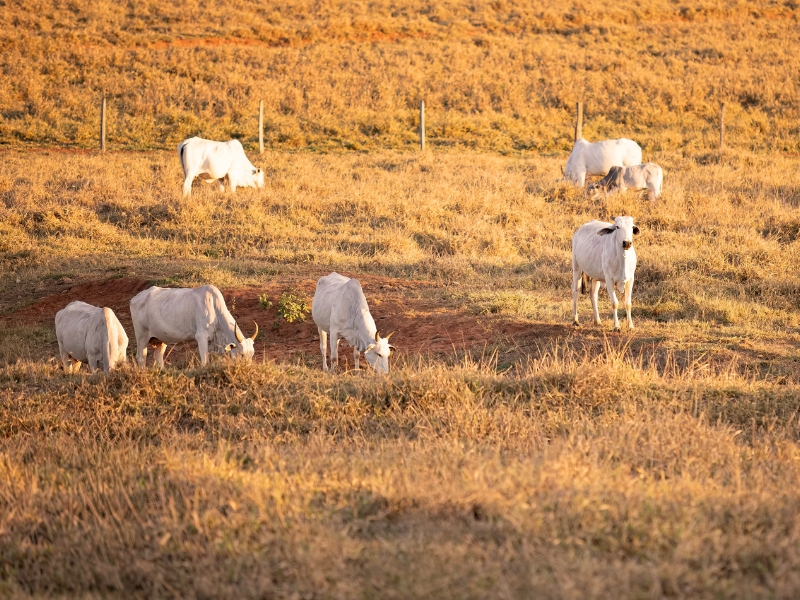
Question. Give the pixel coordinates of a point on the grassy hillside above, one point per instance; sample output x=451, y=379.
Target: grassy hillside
x=507, y=455
x=540, y=461
x=500, y=76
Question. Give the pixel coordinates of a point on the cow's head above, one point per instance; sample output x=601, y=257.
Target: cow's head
x=623, y=231
x=594, y=190
x=244, y=348
x=258, y=178
x=377, y=353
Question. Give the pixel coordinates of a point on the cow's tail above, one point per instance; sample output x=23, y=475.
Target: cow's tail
x=181, y=148
x=585, y=280
x=109, y=340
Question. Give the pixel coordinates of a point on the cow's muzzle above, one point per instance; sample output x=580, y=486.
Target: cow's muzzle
x=627, y=245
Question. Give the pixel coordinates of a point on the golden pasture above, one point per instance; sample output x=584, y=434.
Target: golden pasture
x=507, y=454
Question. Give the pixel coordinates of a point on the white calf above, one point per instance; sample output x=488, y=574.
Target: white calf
x=604, y=252
x=648, y=176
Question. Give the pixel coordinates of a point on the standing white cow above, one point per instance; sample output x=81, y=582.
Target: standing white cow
x=648, y=176
x=172, y=315
x=604, y=252
x=89, y=334
x=597, y=158
x=339, y=309
x=213, y=161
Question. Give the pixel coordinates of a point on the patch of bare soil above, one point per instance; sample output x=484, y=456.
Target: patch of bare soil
x=423, y=326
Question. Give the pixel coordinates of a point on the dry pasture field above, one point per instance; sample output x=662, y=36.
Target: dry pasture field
x=507, y=454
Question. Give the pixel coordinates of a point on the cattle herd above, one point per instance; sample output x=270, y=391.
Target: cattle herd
x=601, y=253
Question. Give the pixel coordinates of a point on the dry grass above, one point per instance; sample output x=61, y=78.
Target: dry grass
x=498, y=75
x=662, y=463
x=581, y=478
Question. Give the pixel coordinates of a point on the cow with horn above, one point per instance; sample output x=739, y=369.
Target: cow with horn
x=164, y=316
x=340, y=310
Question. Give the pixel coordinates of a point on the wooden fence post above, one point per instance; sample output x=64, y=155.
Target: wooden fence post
x=579, y=121
x=103, y=124
x=261, y=127
x=722, y=126
x=422, y=125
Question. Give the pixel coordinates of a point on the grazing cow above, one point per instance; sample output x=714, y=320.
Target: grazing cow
x=89, y=334
x=597, y=158
x=340, y=310
x=648, y=176
x=604, y=252
x=164, y=316
x=213, y=161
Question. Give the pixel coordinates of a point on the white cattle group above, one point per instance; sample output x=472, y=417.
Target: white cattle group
x=215, y=161
x=598, y=157
x=601, y=253
x=162, y=316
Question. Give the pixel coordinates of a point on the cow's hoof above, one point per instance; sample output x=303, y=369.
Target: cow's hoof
x=616, y=330
x=576, y=324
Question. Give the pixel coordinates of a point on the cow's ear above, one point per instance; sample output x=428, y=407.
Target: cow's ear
x=606, y=230
x=230, y=347
x=635, y=230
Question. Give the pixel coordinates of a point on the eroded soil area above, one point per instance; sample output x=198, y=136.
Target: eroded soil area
x=424, y=324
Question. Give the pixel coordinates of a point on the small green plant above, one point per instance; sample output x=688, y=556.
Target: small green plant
x=292, y=307
x=264, y=301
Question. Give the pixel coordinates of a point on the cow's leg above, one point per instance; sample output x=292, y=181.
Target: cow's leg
x=187, y=184
x=158, y=355
x=70, y=364
x=202, y=346
x=233, y=186
x=576, y=289
x=334, y=351
x=595, y=290
x=220, y=185
x=95, y=362
x=614, y=303
x=355, y=356
x=323, y=346
x=141, y=348
x=581, y=178
x=628, y=303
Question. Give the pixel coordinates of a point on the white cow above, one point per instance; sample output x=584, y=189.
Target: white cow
x=597, y=158
x=648, y=176
x=89, y=334
x=604, y=252
x=171, y=315
x=340, y=310
x=213, y=161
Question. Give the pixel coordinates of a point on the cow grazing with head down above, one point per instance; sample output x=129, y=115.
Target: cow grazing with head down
x=164, y=316
x=604, y=252
x=597, y=158
x=339, y=309
x=648, y=176
x=213, y=161
x=89, y=334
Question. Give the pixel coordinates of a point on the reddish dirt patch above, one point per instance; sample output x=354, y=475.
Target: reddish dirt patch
x=422, y=325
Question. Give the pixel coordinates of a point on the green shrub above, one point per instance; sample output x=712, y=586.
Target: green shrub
x=292, y=306
x=264, y=301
